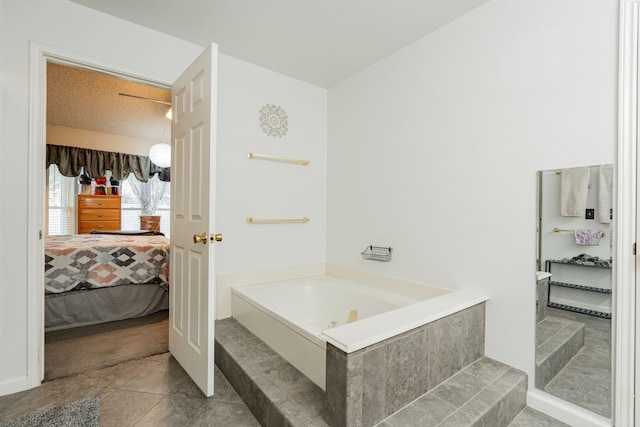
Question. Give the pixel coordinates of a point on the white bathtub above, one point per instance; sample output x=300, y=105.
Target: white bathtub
x=296, y=317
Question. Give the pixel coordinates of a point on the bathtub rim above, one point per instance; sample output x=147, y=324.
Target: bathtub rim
x=353, y=337
x=314, y=338
x=356, y=336
x=297, y=348
x=308, y=330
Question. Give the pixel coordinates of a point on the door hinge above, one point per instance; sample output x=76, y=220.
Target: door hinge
x=633, y=249
x=40, y=235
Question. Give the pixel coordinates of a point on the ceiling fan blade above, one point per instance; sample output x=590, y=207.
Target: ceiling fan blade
x=159, y=101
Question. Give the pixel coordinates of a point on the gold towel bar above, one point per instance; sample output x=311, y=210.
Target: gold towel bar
x=563, y=230
x=277, y=158
x=251, y=220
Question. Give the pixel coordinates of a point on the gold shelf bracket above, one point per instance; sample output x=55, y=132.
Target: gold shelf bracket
x=277, y=159
x=251, y=220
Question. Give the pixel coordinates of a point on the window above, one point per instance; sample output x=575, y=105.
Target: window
x=61, y=201
x=132, y=206
x=61, y=211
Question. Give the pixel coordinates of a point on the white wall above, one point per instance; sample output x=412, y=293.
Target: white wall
x=434, y=150
x=298, y=192
x=268, y=189
x=68, y=26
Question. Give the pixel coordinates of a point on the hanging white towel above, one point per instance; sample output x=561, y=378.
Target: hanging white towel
x=573, y=191
x=605, y=188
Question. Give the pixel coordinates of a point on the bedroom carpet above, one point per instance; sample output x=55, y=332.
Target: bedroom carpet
x=78, y=350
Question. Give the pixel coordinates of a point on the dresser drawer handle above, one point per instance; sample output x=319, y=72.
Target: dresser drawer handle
x=100, y=214
x=99, y=203
x=101, y=226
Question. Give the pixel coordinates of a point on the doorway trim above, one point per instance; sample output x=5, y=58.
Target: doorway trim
x=40, y=54
x=625, y=217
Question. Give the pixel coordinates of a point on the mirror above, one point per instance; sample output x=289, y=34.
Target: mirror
x=574, y=286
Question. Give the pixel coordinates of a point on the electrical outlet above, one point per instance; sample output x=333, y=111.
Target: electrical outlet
x=590, y=214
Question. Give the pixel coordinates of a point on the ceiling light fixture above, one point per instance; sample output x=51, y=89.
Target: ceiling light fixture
x=160, y=154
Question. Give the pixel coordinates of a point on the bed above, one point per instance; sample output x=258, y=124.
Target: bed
x=96, y=278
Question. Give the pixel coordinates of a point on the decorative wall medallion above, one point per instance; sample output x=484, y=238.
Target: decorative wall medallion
x=274, y=120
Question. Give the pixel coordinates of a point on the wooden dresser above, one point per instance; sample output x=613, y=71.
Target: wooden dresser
x=98, y=213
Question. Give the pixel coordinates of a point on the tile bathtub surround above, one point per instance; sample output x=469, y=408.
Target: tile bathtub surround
x=542, y=289
x=366, y=386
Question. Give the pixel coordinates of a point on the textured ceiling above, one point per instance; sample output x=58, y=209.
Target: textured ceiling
x=320, y=42
x=82, y=99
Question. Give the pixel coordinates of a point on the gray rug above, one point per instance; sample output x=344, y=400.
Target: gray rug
x=79, y=350
x=81, y=413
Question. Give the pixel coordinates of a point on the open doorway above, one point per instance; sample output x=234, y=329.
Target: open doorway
x=106, y=270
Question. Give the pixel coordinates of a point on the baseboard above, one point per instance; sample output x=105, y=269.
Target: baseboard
x=564, y=411
x=14, y=386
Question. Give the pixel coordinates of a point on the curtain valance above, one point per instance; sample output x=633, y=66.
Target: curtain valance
x=71, y=160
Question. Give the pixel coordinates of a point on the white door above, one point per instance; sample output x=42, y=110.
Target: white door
x=192, y=274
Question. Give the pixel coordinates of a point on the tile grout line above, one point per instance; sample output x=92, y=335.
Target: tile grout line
x=430, y=392
x=552, y=336
x=566, y=366
x=502, y=396
x=477, y=394
x=449, y=403
x=149, y=411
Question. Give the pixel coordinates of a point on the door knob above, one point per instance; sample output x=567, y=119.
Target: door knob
x=200, y=238
x=216, y=238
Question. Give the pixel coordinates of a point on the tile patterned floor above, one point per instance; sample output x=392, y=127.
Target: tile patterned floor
x=586, y=379
x=154, y=391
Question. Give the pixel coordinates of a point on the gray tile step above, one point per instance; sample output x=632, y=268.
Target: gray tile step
x=558, y=341
x=529, y=417
x=485, y=393
x=276, y=393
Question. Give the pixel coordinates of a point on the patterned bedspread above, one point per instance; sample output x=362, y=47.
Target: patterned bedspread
x=89, y=261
